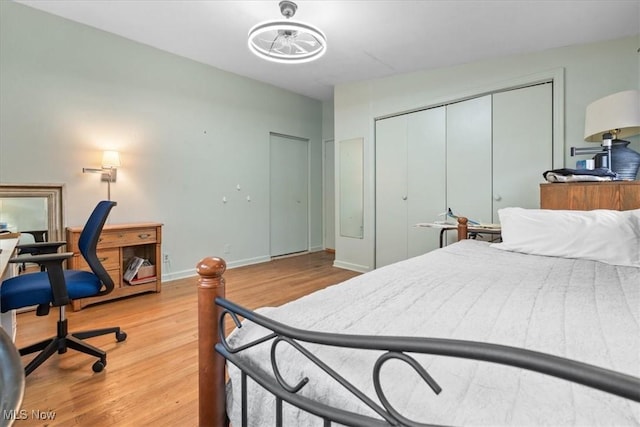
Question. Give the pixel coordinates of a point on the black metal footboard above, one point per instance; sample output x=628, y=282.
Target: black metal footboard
x=398, y=348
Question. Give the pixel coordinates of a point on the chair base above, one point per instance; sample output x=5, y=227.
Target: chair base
x=64, y=340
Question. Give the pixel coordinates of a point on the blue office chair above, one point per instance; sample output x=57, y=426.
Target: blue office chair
x=56, y=287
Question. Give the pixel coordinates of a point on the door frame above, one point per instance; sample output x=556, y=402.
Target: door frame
x=308, y=201
x=324, y=193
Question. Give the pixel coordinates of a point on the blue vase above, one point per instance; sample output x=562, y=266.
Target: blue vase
x=624, y=161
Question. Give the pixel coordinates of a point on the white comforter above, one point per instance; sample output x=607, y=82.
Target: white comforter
x=582, y=310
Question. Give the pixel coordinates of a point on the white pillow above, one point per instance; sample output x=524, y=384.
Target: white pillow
x=612, y=237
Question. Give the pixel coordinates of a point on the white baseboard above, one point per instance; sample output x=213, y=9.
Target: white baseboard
x=168, y=277
x=248, y=261
x=316, y=248
x=350, y=266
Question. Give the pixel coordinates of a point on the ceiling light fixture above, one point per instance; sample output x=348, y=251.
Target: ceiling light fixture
x=286, y=41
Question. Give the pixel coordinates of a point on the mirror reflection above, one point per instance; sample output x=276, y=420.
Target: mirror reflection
x=33, y=210
x=27, y=215
x=351, y=188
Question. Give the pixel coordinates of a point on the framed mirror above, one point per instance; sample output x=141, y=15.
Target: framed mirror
x=351, y=188
x=35, y=209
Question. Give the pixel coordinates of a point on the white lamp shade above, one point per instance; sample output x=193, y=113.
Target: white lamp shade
x=110, y=159
x=618, y=111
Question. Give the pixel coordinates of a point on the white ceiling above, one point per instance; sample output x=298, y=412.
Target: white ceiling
x=366, y=39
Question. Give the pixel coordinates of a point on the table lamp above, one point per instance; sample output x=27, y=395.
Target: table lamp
x=608, y=120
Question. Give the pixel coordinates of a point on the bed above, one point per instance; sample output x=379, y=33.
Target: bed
x=471, y=334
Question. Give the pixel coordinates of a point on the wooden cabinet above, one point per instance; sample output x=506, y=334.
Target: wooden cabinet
x=618, y=195
x=117, y=245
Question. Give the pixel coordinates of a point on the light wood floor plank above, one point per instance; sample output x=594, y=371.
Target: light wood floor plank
x=151, y=378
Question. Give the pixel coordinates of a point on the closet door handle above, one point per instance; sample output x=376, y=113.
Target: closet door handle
x=497, y=197
x=404, y=197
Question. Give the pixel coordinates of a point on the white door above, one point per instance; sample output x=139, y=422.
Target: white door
x=469, y=159
x=522, y=145
x=289, y=201
x=329, y=194
x=410, y=183
x=426, y=142
x=391, y=190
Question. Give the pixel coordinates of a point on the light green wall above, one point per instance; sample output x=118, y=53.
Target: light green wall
x=327, y=120
x=188, y=134
x=589, y=72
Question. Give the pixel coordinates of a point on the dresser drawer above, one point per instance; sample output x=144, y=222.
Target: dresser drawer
x=109, y=258
x=127, y=237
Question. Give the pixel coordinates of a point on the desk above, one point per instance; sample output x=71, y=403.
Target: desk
x=117, y=245
x=8, y=244
x=473, y=230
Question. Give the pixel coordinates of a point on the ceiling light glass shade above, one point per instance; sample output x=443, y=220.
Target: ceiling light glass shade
x=288, y=42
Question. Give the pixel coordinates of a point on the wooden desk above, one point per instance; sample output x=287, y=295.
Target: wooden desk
x=8, y=244
x=117, y=245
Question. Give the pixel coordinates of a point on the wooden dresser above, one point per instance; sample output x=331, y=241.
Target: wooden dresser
x=117, y=245
x=617, y=195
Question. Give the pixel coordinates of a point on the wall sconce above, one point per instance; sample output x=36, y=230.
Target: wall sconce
x=109, y=169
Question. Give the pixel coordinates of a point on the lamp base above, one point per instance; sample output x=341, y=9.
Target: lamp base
x=624, y=161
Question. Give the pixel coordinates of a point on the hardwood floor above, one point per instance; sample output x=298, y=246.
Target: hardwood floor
x=151, y=378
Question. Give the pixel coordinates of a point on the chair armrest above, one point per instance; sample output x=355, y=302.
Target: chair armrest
x=53, y=265
x=42, y=258
x=42, y=247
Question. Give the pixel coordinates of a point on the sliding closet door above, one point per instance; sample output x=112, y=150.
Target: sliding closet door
x=469, y=158
x=391, y=190
x=426, y=141
x=289, y=200
x=522, y=145
x=410, y=185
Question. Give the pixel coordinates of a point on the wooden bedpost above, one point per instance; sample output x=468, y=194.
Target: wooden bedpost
x=463, y=231
x=211, y=373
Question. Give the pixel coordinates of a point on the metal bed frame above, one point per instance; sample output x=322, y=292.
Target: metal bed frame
x=214, y=351
x=400, y=348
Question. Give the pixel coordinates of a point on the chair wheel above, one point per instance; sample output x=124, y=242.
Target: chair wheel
x=121, y=336
x=99, y=366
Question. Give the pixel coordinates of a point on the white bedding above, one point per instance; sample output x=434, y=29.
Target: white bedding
x=579, y=309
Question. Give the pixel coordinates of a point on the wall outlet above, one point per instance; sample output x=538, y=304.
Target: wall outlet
x=227, y=249
x=165, y=258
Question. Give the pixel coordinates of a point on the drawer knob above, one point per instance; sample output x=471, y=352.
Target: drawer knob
x=144, y=235
x=103, y=259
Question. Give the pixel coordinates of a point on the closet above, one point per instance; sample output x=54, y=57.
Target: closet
x=474, y=156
